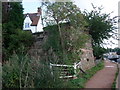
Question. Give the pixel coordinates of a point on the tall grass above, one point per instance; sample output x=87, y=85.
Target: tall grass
x=22, y=72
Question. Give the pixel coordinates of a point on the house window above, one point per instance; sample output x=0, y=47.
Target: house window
x=27, y=25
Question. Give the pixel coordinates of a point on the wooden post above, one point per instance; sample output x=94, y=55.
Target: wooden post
x=75, y=67
x=51, y=69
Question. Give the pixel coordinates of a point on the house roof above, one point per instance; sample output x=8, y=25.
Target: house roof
x=35, y=21
x=34, y=18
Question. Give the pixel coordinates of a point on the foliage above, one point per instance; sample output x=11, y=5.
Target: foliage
x=73, y=40
x=12, y=70
x=115, y=79
x=98, y=51
x=100, y=25
x=0, y=12
x=20, y=38
x=117, y=50
x=53, y=43
x=16, y=41
x=16, y=16
x=53, y=39
x=65, y=12
x=22, y=72
x=13, y=36
x=4, y=11
x=71, y=30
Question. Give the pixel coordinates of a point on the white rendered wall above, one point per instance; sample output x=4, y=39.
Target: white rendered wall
x=34, y=29
x=39, y=26
x=27, y=20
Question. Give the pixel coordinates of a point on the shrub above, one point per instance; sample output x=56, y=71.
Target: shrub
x=22, y=72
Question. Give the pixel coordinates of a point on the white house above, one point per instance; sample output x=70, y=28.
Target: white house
x=33, y=22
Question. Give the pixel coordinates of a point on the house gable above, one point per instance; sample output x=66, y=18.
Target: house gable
x=33, y=22
x=27, y=23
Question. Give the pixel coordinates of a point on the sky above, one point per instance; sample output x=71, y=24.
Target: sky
x=108, y=5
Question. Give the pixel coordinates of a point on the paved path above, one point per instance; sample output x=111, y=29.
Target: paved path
x=103, y=78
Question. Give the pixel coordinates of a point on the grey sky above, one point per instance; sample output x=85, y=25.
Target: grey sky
x=109, y=5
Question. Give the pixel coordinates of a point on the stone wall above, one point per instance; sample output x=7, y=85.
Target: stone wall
x=87, y=58
x=37, y=52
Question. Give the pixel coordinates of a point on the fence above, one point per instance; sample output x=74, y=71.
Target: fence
x=67, y=71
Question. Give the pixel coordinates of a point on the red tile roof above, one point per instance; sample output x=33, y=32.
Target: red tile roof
x=35, y=21
x=34, y=18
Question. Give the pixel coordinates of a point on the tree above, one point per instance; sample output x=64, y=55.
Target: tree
x=12, y=30
x=70, y=33
x=98, y=51
x=100, y=25
x=66, y=12
x=14, y=13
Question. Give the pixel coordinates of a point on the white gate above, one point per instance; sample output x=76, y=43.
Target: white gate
x=67, y=71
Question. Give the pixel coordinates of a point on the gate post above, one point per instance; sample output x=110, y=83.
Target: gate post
x=51, y=69
x=75, y=67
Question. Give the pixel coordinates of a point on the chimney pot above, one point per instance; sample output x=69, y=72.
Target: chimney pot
x=39, y=10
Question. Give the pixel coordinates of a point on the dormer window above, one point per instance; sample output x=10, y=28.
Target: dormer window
x=27, y=25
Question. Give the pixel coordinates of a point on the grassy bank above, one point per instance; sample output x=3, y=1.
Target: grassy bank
x=83, y=78
x=116, y=75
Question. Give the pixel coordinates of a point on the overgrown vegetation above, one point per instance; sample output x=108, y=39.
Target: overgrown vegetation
x=74, y=40
x=15, y=44
x=22, y=72
x=72, y=34
x=62, y=46
x=14, y=38
x=115, y=79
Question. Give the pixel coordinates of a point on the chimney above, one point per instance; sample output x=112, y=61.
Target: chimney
x=39, y=11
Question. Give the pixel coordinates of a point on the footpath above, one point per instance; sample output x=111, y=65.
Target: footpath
x=103, y=78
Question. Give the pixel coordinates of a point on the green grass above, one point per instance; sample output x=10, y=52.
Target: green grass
x=116, y=75
x=83, y=78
